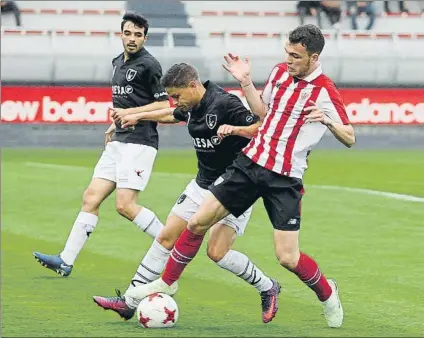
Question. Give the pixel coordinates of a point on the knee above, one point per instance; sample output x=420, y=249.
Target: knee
x=90, y=200
x=216, y=252
x=195, y=225
x=166, y=240
x=288, y=260
x=122, y=207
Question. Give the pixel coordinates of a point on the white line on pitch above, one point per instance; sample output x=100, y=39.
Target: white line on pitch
x=386, y=194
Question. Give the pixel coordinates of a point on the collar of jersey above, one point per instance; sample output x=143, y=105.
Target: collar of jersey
x=317, y=72
x=207, y=97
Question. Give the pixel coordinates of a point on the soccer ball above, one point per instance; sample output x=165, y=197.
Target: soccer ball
x=157, y=311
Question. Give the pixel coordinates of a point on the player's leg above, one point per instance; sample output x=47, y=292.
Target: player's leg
x=153, y=263
x=282, y=200
x=100, y=187
x=149, y=269
x=185, y=248
x=134, y=169
x=98, y=190
x=221, y=238
x=308, y=271
x=155, y=259
x=237, y=192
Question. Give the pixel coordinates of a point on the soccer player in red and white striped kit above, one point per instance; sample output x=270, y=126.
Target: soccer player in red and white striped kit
x=298, y=104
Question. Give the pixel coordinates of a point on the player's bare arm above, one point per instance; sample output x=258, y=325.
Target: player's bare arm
x=240, y=70
x=119, y=113
x=344, y=133
x=162, y=116
x=243, y=131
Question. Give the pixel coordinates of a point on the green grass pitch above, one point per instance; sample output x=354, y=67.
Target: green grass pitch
x=372, y=245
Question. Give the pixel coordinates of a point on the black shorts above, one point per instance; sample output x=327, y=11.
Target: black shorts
x=245, y=181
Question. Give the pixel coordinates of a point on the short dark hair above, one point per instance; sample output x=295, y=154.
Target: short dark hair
x=310, y=37
x=180, y=75
x=137, y=19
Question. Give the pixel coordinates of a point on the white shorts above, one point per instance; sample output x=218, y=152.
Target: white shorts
x=129, y=165
x=190, y=200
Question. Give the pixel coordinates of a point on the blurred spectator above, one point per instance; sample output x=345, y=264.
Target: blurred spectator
x=355, y=8
x=422, y=6
x=9, y=6
x=402, y=7
x=333, y=11
x=309, y=8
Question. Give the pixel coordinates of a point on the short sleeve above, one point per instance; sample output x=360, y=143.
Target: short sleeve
x=267, y=91
x=331, y=103
x=157, y=90
x=238, y=114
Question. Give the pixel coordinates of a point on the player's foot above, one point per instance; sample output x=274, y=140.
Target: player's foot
x=269, y=301
x=332, y=307
x=116, y=304
x=134, y=296
x=54, y=262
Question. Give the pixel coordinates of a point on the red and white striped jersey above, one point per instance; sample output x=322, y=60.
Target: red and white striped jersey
x=284, y=140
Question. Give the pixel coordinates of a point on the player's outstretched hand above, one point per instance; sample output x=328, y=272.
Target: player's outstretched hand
x=128, y=121
x=118, y=113
x=314, y=114
x=238, y=68
x=225, y=130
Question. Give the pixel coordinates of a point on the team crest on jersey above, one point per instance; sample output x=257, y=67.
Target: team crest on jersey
x=211, y=120
x=305, y=95
x=130, y=75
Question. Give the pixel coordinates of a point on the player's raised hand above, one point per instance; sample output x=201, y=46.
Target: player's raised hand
x=239, y=68
x=128, y=121
x=315, y=114
x=225, y=130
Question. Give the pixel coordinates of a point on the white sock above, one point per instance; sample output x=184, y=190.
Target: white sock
x=83, y=227
x=147, y=221
x=240, y=265
x=151, y=266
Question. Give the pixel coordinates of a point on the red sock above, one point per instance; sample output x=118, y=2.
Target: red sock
x=309, y=273
x=185, y=249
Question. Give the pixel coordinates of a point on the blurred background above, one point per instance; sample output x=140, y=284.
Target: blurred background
x=56, y=60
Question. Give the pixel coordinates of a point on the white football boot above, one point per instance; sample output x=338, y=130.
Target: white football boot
x=134, y=296
x=332, y=307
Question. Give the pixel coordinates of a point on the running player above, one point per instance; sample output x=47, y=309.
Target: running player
x=211, y=114
x=127, y=161
x=298, y=104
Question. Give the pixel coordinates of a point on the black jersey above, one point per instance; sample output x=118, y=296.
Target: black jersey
x=216, y=108
x=136, y=83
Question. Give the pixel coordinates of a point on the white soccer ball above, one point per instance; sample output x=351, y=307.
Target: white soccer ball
x=157, y=311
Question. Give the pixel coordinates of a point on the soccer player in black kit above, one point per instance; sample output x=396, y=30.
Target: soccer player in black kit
x=211, y=114
x=127, y=160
